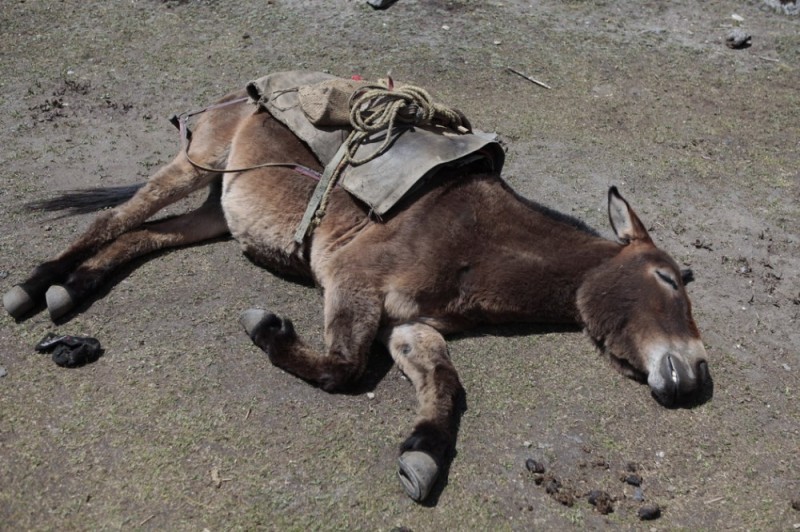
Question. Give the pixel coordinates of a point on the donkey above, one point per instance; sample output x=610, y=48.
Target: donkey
x=463, y=251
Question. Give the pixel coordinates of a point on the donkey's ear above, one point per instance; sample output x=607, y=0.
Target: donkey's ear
x=624, y=221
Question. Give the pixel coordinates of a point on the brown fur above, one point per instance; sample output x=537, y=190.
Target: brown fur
x=465, y=251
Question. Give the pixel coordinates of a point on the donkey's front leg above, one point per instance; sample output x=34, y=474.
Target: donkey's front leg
x=351, y=324
x=420, y=352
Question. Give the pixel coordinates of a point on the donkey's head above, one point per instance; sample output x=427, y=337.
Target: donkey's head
x=635, y=308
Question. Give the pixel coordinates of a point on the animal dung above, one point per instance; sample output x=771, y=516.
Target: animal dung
x=632, y=478
x=533, y=466
x=602, y=501
x=648, y=512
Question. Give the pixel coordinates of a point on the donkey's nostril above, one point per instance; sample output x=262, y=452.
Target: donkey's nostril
x=703, y=375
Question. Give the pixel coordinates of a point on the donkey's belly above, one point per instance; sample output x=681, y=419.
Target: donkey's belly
x=262, y=212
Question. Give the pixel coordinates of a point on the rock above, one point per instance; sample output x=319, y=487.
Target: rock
x=738, y=39
x=381, y=4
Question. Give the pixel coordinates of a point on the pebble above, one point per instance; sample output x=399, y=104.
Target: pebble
x=738, y=39
x=3, y=371
x=381, y=4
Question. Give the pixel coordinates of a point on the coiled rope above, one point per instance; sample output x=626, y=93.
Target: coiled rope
x=376, y=109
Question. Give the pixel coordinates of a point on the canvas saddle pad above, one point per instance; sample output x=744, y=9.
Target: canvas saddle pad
x=314, y=105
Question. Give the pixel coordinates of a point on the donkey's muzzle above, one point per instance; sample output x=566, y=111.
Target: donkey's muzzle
x=682, y=385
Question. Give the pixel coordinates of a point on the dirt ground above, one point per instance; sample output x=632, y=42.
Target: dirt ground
x=184, y=425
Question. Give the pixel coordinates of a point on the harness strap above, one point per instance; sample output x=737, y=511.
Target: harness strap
x=181, y=122
x=321, y=192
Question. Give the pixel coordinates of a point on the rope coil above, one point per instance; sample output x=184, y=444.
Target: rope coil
x=379, y=108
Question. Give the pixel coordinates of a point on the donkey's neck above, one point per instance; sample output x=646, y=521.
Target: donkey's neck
x=536, y=260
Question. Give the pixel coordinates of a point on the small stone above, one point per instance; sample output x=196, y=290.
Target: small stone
x=445, y=27
x=533, y=466
x=648, y=512
x=738, y=39
x=381, y=4
x=370, y=395
x=638, y=494
x=3, y=371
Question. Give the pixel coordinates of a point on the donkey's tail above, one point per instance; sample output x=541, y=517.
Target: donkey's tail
x=84, y=201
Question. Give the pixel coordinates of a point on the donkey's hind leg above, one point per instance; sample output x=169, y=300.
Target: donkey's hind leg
x=170, y=184
x=204, y=223
x=420, y=352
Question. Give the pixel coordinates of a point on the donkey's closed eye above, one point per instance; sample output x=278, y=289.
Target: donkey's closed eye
x=667, y=279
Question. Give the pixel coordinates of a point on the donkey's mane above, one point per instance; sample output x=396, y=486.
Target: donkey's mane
x=553, y=214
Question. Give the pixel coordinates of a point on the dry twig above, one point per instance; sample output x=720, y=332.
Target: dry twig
x=536, y=81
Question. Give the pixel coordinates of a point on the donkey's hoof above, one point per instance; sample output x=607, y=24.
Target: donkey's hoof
x=59, y=301
x=418, y=473
x=17, y=302
x=251, y=318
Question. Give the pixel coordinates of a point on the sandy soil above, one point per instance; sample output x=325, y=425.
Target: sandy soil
x=184, y=425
